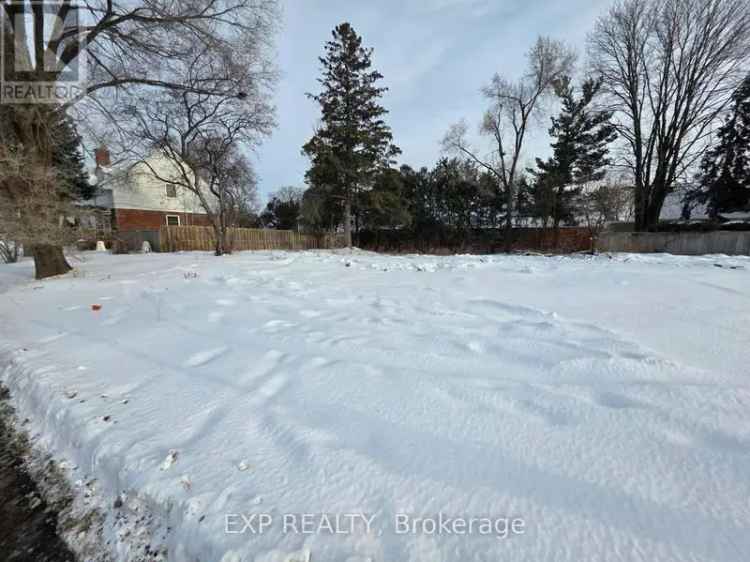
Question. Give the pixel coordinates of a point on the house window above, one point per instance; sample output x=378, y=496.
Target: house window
x=171, y=190
x=173, y=220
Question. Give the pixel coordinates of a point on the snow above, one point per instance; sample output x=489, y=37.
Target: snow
x=602, y=402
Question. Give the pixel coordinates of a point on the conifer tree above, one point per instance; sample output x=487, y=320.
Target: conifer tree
x=725, y=170
x=580, y=150
x=353, y=142
x=68, y=160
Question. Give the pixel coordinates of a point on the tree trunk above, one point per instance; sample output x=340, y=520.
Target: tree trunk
x=647, y=218
x=556, y=234
x=219, y=241
x=556, y=219
x=654, y=209
x=348, y=223
x=648, y=206
x=507, y=234
x=508, y=242
x=640, y=220
x=356, y=226
x=49, y=261
x=228, y=241
x=594, y=237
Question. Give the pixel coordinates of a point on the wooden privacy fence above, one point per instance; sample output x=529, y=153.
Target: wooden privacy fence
x=192, y=238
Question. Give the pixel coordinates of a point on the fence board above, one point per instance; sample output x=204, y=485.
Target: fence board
x=679, y=243
x=194, y=238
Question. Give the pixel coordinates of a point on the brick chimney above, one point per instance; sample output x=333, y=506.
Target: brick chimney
x=101, y=155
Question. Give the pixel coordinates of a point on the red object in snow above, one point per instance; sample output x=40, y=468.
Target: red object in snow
x=96, y=307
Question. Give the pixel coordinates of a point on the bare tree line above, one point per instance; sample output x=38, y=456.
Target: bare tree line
x=668, y=69
x=512, y=105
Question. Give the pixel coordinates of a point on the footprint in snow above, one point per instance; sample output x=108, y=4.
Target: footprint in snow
x=318, y=362
x=53, y=338
x=268, y=363
x=203, y=357
x=113, y=320
x=268, y=390
x=616, y=401
x=275, y=326
x=310, y=313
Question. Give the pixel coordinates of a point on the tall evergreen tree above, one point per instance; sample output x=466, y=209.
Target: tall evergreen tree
x=725, y=170
x=68, y=160
x=353, y=142
x=580, y=150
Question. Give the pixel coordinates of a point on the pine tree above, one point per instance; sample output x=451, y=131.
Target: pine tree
x=385, y=205
x=725, y=170
x=68, y=161
x=353, y=143
x=580, y=150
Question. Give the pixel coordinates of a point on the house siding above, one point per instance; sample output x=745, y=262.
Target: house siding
x=141, y=190
x=139, y=219
x=139, y=200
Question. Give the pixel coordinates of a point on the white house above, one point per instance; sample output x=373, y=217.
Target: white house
x=136, y=199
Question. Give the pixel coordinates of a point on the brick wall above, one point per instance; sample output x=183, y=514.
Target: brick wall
x=135, y=219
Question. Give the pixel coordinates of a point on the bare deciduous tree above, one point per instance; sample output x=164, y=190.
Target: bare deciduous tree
x=513, y=104
x=132, y=49
x=199, y=135
x=669, y=68
x=35, y=202
x=601, y=204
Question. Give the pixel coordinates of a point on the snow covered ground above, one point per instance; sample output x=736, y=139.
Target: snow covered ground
x=602, y=405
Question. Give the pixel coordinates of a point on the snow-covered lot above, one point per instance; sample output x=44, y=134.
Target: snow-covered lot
x=603, y=403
